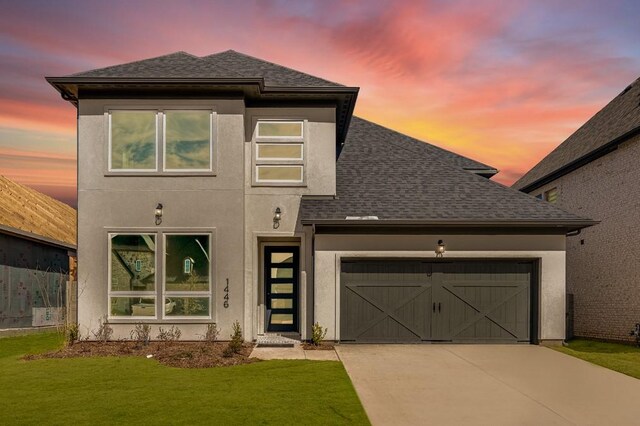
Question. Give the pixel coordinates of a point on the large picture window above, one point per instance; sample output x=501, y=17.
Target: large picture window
x=185, y=276
x=279, y=152
x=184, y=143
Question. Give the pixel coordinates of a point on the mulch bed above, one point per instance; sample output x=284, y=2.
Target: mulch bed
x=174, y=354
x=322, y=347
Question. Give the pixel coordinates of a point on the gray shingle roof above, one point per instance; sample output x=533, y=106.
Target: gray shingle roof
x=227, y=64
x=619, y=117
x=273, y=74
x=389, y=175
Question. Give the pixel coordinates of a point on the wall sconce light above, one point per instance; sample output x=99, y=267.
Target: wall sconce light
x=276, y=218
x=440, y=248
x=159, y=214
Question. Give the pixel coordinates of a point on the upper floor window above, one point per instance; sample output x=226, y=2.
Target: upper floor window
x=279, y=155
x=280, y=129
x=551, y=195
x=183, y=143
x=133, y=140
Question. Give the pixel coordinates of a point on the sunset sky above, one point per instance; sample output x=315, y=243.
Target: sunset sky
x=503, y=82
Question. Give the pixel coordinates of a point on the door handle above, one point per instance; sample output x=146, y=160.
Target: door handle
x=434, y=306
x=439, y=307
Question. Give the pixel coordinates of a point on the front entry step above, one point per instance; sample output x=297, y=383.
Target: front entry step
x=272, y=340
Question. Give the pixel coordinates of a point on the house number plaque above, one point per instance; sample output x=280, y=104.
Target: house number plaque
x=226, y=295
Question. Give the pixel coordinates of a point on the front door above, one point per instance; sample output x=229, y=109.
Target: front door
x=281, y=271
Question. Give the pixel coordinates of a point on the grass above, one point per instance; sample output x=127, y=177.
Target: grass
x=141, y=391
x=622, y=358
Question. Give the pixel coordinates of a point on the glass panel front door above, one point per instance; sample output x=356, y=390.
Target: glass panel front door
x=281, y=271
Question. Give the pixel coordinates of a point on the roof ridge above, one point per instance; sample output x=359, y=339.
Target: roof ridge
x=179, y=52
x=273, y=64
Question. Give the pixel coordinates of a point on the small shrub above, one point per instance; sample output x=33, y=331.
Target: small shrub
x=71, y=334
x=235, y=344
x=211, y=335
x=104, y=331
x=141, y=333
x=171, y=335
x=228, y=352
x=318, y=333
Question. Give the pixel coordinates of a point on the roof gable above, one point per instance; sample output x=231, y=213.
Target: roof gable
x=619, y=119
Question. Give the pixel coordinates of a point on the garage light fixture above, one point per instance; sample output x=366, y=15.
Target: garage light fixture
x=440, y=248
x=158, y=214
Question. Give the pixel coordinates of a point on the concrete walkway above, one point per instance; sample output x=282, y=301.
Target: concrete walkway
x=487, y=384
x=293, y=353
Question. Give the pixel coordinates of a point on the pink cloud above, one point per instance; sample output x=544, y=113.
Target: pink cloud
x=459, y=74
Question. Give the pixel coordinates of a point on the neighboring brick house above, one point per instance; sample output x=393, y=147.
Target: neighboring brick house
x=595, y=173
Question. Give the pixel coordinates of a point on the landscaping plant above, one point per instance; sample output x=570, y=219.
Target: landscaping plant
x=318, y=333
x=141, y=333
x=171, y=335
x=104, y=331
x=71, y=333
x=235, y=344
x=211, y=335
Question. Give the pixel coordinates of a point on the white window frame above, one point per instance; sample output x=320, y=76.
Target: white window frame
x=164, y=140
x=280, y=162
x=160, y=142
x=110, y=151
x=131, y=294
x=284, y=159
x=180, y=294
x=299, y=138
x=159, y=293
x=258, y=180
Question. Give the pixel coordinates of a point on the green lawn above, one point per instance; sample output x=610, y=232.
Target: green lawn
x=622, y=358
x=141, y=391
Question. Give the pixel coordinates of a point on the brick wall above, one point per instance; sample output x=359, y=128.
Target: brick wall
x=603, y=262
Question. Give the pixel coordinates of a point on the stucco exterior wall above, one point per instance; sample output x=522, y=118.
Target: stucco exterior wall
x=126, y=203
x=549, y=249
x=261, y=203
x=603, y=271
x=239, y=215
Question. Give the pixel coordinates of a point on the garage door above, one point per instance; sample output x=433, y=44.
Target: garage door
x=417, y=301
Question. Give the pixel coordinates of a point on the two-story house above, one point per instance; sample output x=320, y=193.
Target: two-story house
x=225, y=188
x=595, y=173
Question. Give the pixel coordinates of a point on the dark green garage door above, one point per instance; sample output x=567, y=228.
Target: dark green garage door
x=415, y=301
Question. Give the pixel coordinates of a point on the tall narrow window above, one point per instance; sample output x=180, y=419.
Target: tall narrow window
x=279, y=152
x=187, y=143
x=133, y=140
x=187, y=281
x=132, y=267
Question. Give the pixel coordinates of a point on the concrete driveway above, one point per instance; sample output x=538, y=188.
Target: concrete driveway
x=487, y=384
